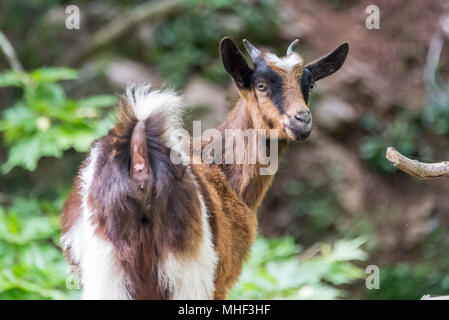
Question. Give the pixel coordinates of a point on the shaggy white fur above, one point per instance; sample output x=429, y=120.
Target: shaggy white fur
x=287, y=63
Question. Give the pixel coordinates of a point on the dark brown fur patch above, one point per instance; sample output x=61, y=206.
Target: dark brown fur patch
x=141, y=234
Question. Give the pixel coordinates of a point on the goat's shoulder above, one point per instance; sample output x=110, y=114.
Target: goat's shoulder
x=216, y=188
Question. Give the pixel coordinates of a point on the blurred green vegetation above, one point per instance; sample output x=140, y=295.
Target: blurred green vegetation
x=31, y=263
x=186, y=43
x=45, y=122
x=401, y=132
x=275, y=270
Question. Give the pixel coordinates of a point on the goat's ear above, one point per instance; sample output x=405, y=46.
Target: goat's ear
x=235, y=64
x=327, y=65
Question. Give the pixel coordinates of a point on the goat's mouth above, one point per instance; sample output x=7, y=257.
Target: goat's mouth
x=300, y=130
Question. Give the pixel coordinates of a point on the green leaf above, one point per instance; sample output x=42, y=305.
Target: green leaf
x=45, y=98
x=31, y=266
x=24, y=153
x=318, y=292
x=53, y=74
x=274, y=271
x=343, y=273
x=32, y=287
x=346, y=250
x=14, y=79
x=99, y=101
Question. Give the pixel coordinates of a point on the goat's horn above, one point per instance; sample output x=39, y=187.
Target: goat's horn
x=292, y=46
x=252, y=50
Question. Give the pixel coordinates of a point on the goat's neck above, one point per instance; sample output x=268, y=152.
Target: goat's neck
x=246, y=179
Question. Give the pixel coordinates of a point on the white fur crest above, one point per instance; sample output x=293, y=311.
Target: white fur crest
x=146, y=101
x=287, y=63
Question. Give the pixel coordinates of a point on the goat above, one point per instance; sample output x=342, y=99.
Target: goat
x=140, y=226
x=274, y=94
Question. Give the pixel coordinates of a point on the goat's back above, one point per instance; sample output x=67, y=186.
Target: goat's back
x=185, y=237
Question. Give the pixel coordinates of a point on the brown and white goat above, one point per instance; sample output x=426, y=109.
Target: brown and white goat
x=140, y=226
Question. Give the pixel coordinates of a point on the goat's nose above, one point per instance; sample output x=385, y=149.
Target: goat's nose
x=303, y=116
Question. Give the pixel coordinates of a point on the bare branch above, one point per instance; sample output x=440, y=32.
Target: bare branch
x=10, y=54
x=416, y=168
x=428, y=297
x=436, y=93
x=120, y=26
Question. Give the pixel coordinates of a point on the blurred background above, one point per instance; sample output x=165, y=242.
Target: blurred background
x=336, y=205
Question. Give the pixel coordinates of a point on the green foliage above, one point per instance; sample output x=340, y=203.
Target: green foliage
x=31, y=263
x=189, y=42
x=407, y=280
x=276, y=270
x=412, y=279
x=44, y=123
x=401, y=133
x=314, y=203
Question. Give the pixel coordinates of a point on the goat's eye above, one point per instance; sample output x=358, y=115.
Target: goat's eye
x=261, y=86
x=311, y=86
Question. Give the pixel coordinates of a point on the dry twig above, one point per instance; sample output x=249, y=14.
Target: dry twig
x=10, y=54
x=416, y=168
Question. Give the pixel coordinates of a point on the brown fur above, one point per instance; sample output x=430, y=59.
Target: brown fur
x=233, y=225
x=146, y=206
x=70, y=213
x=142, y=234
x=249, y=114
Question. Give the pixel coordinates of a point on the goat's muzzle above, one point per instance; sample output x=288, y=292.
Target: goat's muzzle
x=301, y=125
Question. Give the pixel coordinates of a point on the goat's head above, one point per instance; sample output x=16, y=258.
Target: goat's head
x=279, y=88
